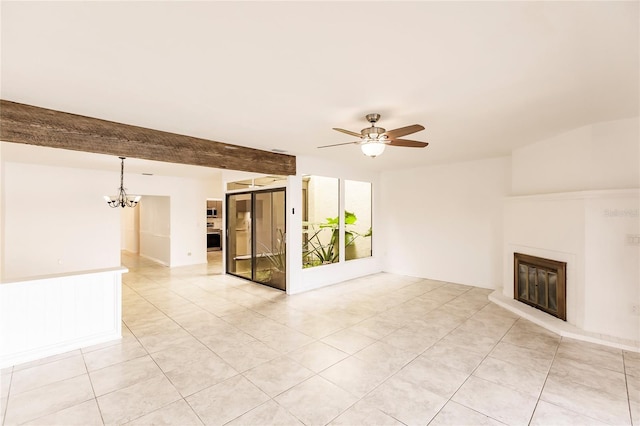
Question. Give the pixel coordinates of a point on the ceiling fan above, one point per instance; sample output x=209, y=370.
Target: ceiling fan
x=373, y=140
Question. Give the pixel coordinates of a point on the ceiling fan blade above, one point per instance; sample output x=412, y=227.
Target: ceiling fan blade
x=408, y=143
x=404, y=131
x=348, y=132
x=338, y=144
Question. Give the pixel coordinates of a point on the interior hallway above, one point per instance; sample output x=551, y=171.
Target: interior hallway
x=199, y=347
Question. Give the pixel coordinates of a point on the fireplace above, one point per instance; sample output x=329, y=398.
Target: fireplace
x=541, y=283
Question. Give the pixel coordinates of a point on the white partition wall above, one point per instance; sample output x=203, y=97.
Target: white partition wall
x=51, y=315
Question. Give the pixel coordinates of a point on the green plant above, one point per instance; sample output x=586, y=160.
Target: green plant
x=277, y=253
x=315, y=252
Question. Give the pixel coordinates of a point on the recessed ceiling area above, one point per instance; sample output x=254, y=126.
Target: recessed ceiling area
x=482, y=77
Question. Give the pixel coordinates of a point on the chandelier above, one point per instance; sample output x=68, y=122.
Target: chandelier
x=122, y=199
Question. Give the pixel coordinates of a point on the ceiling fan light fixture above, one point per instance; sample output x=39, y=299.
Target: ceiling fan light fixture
x=373, y=132
x=372, y=148
x=372, y=140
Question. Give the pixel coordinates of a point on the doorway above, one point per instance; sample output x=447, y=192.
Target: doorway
x=214, y=235
x=255, y=232
x=146, y=229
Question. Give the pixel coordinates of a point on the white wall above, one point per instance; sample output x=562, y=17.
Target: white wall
x=612, y=266
x=130, y=224
x=155, y=228
x=598, y=156
x=55, y=221
x=445, y=222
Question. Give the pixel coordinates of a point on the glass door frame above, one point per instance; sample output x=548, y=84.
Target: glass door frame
x=254, y=250
x=231, y=220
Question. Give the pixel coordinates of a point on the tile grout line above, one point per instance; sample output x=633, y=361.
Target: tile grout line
x=51, y=383
x=216, y=354
x=473, y=371
x=626, y=383
x=95, y=397
x=485, y=357
x=155, y=362
x=571, y=409
x=318, y=374
x=6, y=408
x=416, y=357
x=380, y=340
x=555, y=353
x=148, y=354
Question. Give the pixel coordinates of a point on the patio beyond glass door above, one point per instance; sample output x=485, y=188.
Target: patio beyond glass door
x=269, y=227
x=256, y=247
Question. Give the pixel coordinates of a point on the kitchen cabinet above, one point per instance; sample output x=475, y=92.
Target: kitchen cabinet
x=215, y=205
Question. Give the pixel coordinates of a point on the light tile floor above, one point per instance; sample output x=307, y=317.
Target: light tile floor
x=203, y=348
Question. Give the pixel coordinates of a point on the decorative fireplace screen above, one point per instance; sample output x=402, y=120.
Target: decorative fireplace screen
x=541, y=283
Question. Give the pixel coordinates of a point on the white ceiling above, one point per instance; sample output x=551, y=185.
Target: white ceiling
x=482, y=77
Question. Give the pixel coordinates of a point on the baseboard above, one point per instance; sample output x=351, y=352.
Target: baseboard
x=155, y=260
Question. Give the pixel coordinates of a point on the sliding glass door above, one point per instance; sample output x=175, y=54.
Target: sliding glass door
x=239, y=230
x=256, y=236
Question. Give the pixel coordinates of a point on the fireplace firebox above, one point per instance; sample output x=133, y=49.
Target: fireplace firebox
x=541, y=283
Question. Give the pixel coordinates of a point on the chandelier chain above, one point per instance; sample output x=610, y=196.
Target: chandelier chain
x=123, y=200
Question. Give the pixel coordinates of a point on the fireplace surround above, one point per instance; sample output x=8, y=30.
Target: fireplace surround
x=541, y=283
x=602, y=267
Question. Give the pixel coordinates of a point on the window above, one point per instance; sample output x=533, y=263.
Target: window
x=320, y=221
x=357, y=219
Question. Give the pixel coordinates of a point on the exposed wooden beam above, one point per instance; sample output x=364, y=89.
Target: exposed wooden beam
x=32, y=125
